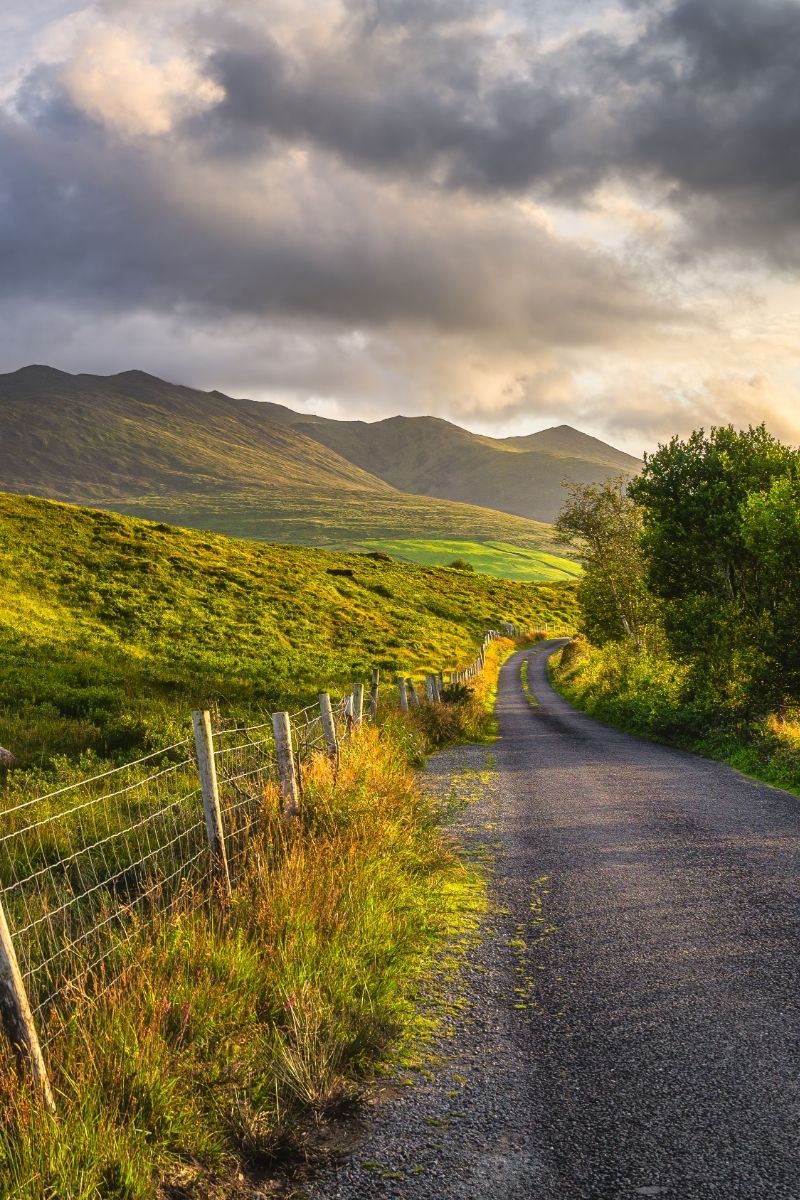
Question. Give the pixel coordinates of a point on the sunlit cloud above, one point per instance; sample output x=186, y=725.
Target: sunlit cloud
x=505, y=215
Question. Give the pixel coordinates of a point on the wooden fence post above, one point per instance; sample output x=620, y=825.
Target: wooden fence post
x=358, y=703
x=430, y=689
x=412, y=693
x=17, y=1018
x=439, y=685
x=287, y=773
x=204, y=745
x=328, y=725
x=373, y=694
x=403, y=694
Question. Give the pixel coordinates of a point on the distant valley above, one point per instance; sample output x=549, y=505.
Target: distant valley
x=142, y=446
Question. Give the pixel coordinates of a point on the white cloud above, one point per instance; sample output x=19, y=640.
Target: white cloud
x=113, y=77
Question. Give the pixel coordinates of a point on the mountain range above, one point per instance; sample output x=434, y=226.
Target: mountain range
x=139, y=445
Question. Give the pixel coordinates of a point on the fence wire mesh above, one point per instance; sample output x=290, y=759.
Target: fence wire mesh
x=246, y=764
x=87, y=866
x=308, y=736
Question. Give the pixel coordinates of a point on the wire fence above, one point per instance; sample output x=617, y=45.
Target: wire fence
x=88, y=867
x=246, y=761
x=84, y=867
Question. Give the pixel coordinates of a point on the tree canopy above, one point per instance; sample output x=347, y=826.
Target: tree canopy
x=703, y=545
x=605, y=524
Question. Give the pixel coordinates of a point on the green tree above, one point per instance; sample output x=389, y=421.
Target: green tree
x=605, y=525
x=710, y=576
x=770, y=529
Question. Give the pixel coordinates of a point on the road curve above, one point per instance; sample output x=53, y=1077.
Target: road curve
x=666, y=1045
x=632, y=1027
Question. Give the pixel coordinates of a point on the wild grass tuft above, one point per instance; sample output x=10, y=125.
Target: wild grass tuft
x=226, y=1029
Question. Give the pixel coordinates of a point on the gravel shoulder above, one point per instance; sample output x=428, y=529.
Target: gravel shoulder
x=460, y=1126
x=628, y=1022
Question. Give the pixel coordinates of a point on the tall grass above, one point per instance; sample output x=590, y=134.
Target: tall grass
x=227, y=1027
x=225, y=1030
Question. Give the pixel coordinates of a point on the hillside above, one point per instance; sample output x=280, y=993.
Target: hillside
x=570, y=443
x=84, y=437
x=432, y=457
x=138, y=445
x=112, y=629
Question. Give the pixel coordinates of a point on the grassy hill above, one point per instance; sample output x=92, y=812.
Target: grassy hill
x=112, y=629
x=141, y=446
x=339, y=519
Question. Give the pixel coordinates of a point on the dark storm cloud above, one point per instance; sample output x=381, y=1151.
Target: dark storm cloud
x=706, y=98
x=413, y=100
x=125, y=225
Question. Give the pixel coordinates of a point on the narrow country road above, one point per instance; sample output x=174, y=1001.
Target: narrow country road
x=633, y=1012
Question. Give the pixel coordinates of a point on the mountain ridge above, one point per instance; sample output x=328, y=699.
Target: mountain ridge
x=149, y=447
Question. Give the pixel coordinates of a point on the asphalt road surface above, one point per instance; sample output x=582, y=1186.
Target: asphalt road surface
x=655, y=901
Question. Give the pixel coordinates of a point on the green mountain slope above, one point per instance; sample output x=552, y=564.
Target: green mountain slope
x=112, y=629
x=138, y=445
x=88, y=437
x=522, y=476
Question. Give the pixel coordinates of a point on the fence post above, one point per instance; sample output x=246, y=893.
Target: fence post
x=430, y=689
x=358, y=703
x=17, y=1018
x=373, y=694
x=439, y=685
x=287, y=772
x=328, y=725
x=204, y=745
x=403, y=694
x=412, y=693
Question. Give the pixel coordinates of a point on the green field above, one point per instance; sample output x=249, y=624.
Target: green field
x=339, y=519
x=113, y=629
x=501, y=559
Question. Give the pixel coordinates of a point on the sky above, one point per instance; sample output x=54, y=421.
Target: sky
x=510, y=216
